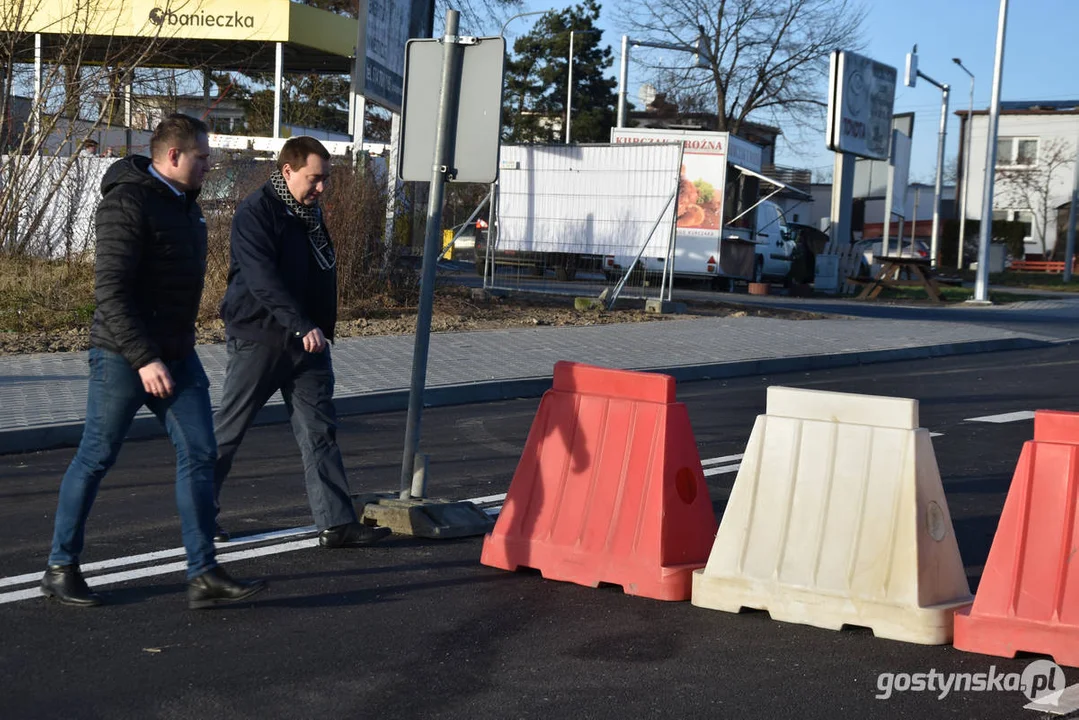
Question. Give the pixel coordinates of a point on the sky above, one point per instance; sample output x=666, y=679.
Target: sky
x=1041, y=62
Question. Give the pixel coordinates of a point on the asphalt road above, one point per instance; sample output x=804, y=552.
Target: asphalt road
x=420, y=629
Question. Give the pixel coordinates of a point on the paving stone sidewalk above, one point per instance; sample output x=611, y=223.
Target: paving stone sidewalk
x=47, y=392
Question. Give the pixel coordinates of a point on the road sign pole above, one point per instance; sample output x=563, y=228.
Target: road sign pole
x=449, y=96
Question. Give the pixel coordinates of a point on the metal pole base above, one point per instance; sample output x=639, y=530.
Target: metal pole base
x=419, y=478
x=425, y=518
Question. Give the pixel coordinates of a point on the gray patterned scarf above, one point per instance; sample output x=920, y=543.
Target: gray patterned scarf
x=321, y=245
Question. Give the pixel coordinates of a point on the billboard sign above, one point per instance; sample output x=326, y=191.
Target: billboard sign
x=389, y=26
x=871, y=176
x=861, y=97
x=702, y=181
x=901, y=170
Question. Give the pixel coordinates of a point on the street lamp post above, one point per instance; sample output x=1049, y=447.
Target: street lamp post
x=700, y=49
x=520, y=15
x=981, y=282
x=569, y=89
x=966, y=168
x=912, y=77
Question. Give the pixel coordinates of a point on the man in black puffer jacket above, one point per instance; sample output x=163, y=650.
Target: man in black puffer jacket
x=279, y=310
x=149, y=271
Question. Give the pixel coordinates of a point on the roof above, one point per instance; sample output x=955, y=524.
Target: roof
x=696, y=121
x=1032, y=107
x=227, y=34
x=1039, y=105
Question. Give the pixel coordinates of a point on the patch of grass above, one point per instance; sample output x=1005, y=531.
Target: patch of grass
x=1053, y=282
x=950, y=295
x=1034, y=281
x=45, y=294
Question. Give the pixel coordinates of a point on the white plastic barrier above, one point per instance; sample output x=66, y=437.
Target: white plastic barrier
x=838, y=517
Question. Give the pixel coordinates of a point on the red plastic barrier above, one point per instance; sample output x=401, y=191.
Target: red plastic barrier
x=1028, y=599
x=609, y=488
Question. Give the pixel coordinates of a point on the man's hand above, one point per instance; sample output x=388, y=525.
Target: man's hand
x=314, y=341
x=156, y=379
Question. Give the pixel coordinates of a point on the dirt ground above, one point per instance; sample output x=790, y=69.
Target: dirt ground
x=455, y=311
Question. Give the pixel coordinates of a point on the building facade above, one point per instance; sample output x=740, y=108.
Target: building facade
x=1036, y=155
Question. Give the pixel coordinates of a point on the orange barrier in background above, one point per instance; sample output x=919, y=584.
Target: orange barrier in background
x=1028, y=598
x=609, y=488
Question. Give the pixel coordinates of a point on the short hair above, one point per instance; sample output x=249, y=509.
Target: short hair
x=177, y=130
x=89, y=143
x=295, y=151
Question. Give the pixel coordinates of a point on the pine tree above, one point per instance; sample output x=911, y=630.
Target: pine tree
x=534, y=106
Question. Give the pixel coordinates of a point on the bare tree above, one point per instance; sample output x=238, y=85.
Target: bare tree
x=41, y=178
x=764, y=57
x=1031, y=187
x=951, y=171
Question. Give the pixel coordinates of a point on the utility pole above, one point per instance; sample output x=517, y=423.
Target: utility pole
x=985, y=232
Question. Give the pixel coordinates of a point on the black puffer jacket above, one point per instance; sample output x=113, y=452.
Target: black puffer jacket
x=150, y=268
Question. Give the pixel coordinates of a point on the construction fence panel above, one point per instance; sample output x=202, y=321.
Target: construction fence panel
x=573, y=219
x=49, y=204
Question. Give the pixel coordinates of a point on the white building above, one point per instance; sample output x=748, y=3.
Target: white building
x=1036, y=155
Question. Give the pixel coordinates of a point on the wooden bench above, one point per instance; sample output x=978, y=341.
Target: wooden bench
x=1054, y=267
x=891, y=266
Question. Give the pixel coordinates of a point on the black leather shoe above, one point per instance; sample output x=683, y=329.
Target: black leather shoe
x=221, y=534
x=65, y=583
x=352, y=535
x=215, y=587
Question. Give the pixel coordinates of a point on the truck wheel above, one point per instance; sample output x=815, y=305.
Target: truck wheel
x=480, y=262
x=562, y=273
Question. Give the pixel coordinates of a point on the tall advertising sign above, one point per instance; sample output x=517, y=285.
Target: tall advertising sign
x=389, y=26
x=861, y=97
x=703, y=177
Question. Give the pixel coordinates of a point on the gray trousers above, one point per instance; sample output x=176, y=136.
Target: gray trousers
x=253, y=374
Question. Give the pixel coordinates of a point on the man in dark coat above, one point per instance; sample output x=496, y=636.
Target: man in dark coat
x=280, y=309
x=149, y=271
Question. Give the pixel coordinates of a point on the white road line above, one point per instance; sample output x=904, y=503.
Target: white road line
x=154, y=570
x=1004, y=418
x=163, y=554
x=717, y=460
x=709, y=472
x=486, y=499
x=224, y=549
x=933, y=434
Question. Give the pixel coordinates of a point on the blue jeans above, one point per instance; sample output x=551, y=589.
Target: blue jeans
x=254, y=373
x=114, y=395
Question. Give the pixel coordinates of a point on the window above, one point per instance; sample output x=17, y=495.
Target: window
x=1017, y=152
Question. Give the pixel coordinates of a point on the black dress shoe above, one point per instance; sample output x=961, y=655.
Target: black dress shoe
x=215, y=587
x=221, y=534
x=352, y=535
x=65, y=583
